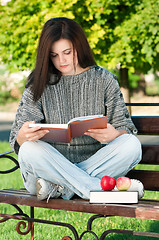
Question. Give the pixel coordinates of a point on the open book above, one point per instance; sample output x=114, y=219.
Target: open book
x=74, y=128
x=113, y=197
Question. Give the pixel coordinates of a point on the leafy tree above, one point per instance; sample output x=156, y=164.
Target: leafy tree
x=137, y=41
x=119, y=31
x=125, y=32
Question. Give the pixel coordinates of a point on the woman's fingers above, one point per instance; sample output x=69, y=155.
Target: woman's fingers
x=35, y=135
x=103, y=135
x=27, y=133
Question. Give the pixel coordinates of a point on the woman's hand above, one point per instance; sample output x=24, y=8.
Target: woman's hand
x=27, y=133
x=105, y=135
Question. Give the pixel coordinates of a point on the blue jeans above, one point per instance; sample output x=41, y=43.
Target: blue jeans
x=40, y=160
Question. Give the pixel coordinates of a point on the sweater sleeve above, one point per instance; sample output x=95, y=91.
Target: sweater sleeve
x=28, y=110
x=117, y=112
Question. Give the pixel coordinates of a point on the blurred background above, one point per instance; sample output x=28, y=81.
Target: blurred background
x=123, y=34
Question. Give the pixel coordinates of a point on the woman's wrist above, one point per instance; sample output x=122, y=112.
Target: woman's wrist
x=121, y=132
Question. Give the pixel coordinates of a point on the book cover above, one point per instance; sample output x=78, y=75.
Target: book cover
x=74, y=128
x=113, y=197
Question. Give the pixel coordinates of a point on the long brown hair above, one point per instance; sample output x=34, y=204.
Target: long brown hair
x=53, y=30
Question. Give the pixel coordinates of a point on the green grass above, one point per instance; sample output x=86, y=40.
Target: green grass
x=79, y=220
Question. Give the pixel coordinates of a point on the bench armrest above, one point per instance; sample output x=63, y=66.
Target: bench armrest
x=7, y=155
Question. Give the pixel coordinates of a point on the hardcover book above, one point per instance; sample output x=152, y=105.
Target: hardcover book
x=74, y=128
x=113, y=197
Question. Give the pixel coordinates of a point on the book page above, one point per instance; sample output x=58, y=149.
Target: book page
x=48, y=126
x=76, y=119
x=64, y=126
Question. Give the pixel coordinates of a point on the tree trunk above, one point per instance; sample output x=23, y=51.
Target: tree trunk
x=141, y=85
x=124, y=81
x=140, y=90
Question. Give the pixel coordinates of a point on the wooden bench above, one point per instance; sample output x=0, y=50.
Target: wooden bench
x=145, y=209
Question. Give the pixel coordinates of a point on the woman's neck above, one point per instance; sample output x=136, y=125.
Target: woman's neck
x=77, y=71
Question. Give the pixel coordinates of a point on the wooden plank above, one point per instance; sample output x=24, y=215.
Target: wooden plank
x=142, y=104
x=148, y=178
x=142, y=210
x=146, y=124
x=150, y=154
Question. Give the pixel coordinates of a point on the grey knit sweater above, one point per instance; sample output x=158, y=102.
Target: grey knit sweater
x=79, y=95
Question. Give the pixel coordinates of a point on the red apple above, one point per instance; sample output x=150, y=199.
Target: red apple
x=107, y=183
x=123, y=183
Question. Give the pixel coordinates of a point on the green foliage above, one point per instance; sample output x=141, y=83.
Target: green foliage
x=133, y=80
x=4, y=95
x=121, y=31
x=137, y=43
x=11, y=85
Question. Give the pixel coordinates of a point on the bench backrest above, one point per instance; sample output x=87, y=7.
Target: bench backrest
x=148, y=125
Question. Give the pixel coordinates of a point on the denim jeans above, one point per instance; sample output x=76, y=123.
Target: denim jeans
x=40, y=160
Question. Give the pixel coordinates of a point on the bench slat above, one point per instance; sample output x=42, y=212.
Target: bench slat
x=148, y=178
x=150, y=154
x=143, y=210
x=146, y=124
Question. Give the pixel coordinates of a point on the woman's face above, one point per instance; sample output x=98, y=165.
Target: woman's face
x=63, y=58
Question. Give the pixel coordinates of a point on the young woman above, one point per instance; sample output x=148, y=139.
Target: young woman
x=67, y=83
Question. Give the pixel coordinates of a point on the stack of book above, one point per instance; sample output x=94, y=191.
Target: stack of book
x=113, y=196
